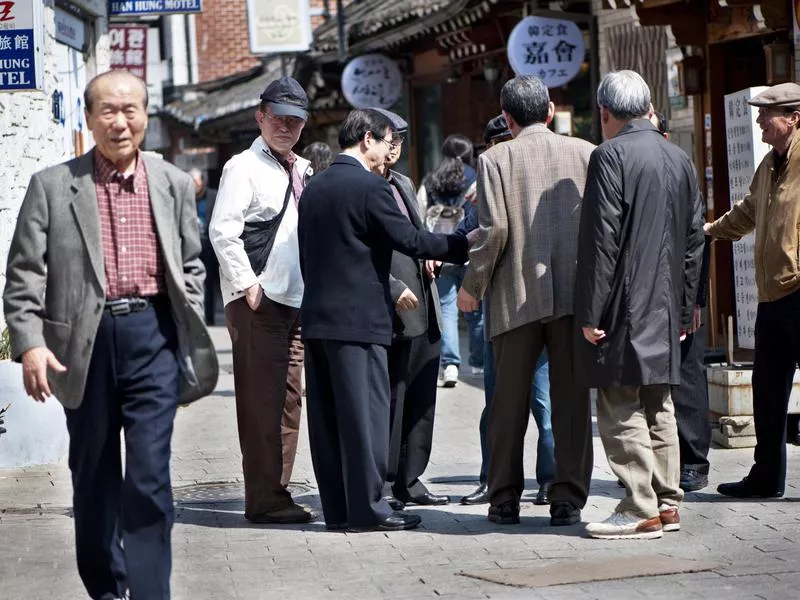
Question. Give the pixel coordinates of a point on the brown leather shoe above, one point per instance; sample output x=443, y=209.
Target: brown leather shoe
x=294, y=513
x=670, y=518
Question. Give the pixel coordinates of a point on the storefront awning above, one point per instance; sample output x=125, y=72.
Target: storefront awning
x=223, y=97
x=377, y=24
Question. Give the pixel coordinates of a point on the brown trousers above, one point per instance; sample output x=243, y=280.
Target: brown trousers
x=267, y=367
x=515, y=355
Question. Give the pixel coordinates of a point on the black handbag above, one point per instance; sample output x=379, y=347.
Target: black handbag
x=259, y=237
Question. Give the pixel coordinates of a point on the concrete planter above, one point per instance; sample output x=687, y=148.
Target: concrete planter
x=730, y=399
x=37, y=433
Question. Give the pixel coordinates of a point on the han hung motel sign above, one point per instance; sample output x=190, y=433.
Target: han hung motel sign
x=124, y=8
x=21, y=47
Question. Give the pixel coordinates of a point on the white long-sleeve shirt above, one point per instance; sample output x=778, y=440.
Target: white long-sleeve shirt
x=252, y=189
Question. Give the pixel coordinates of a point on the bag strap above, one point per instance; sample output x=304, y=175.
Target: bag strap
x=286, y=197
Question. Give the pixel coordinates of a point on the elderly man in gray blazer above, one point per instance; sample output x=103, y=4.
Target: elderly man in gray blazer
x=524, y=261
x=103, y=300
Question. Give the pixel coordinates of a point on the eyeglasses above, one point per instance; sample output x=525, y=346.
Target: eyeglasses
x=394, y=143
x=286, y=120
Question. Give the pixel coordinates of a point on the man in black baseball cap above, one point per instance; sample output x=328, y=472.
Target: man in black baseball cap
x=286, y=97
x=262, y=287
x=496, y=131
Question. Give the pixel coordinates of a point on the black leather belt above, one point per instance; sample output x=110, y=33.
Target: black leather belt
x=126, y=306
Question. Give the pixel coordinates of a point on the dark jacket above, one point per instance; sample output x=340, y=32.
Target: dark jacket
x=639, y=255
x=349, y=226
x=409, y=273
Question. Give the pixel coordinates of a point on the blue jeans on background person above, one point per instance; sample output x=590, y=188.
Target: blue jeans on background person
x=540, y=407
x=448, y=284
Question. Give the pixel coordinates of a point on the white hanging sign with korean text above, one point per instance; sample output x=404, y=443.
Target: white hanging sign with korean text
x=21, y=46
x=551, y=49
x=745, y=152
x=372, y=80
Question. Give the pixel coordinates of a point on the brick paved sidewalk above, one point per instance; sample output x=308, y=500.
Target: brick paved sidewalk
x=219, y=556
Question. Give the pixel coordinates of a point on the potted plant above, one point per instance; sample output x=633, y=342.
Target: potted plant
x=36, y=433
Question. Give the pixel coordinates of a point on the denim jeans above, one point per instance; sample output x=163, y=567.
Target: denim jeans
x=448, y=284
x=540, y=407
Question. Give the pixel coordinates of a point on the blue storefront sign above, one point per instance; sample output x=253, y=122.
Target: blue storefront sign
x=126, y=8
x=21, y=49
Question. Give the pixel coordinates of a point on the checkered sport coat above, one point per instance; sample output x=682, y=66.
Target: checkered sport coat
x=530, y=191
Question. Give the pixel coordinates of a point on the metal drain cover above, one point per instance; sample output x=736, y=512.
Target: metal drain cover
x=222, y=492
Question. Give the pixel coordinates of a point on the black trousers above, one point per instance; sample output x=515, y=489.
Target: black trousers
x=690, y=399
x=132, y=385
x=211, y=290
x=347, y=394
x=776, y=358
x=413, y=375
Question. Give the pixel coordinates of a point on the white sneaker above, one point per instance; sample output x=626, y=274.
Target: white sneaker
x=450, y=376
x=477, y=370
x=624, y=526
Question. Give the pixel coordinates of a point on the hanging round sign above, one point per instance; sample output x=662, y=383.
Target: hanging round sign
x=372, y=80
x=550, y=49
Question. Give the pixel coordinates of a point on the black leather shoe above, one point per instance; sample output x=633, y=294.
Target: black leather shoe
x=692, y=480
x=564, y=513
x=479, y=496
x=543, y=495
x=397, y=521
x=428, y=499
x=746, y=489
x=294, y=513
x=506, y=513
x=336, y=526
x=395, y=503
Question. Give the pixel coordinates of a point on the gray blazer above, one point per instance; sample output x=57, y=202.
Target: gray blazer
x=409, y=273
x=530, y=191
x=55, y=287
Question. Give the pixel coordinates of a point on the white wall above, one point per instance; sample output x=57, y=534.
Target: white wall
x=29, y=138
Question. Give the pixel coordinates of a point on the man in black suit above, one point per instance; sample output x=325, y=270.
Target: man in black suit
x=414, y=353
x=349, y=226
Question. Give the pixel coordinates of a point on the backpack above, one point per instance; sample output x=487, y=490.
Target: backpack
x=441, y=218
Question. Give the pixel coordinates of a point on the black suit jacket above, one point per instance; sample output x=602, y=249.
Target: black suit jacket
x=409, y=273
x=349, y=226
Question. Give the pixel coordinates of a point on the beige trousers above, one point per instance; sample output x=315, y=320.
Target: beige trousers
x=640, y=436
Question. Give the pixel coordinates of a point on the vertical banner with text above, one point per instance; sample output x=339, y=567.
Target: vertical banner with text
x=128, y=46
x=745, y=152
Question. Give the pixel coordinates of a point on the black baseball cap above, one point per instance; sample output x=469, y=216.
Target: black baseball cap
x=495, y=128
x=286, y=97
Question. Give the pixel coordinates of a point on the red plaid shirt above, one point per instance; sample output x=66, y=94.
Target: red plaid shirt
x=133, y=261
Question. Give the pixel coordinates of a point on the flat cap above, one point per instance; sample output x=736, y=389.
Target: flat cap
x=286, y=97
x=399, y=124
x=786, y=95
x=496, y=127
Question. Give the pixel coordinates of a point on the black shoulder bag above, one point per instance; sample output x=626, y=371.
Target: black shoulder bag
x=259, y=237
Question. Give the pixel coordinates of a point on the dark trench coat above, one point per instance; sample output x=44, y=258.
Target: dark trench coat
x=639, y=255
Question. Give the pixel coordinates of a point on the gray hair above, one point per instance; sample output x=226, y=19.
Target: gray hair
x=625, y=94
x=526, y=99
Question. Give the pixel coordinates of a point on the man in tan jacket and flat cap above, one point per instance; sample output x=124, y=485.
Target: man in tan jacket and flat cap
x=772, y=209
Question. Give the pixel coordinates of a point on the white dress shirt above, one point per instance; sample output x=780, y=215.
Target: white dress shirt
x=252, y=189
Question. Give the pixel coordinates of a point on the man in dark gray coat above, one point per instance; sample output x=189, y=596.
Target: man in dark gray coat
x=639, y=257
x=415, y=349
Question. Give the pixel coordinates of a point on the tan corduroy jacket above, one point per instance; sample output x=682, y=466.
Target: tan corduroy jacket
x=772, y=208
